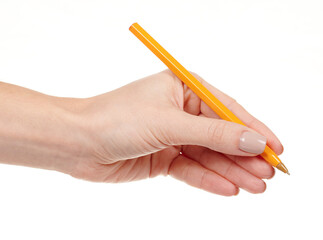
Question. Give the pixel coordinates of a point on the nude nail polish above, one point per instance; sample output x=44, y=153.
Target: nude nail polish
x=252, y=142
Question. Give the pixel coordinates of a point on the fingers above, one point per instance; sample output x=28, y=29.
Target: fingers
x=226, y=168
x=242, y=114
x=192, y=173
x=181, y=128
x=255, y=165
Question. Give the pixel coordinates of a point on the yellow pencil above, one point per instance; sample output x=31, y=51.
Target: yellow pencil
x=202, y=92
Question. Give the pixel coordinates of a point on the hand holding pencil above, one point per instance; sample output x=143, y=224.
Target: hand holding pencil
x=158, y=126
x=154, y=126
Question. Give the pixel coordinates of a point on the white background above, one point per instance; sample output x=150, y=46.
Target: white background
x=266, y=54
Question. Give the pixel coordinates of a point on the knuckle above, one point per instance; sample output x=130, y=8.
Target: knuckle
x=232, y=103
x=252, y=122
x=186, y=172
x=216, y=133
x=229, y=169
x=202, y=183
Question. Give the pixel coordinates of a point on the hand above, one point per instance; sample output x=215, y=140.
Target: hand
x=158, y=126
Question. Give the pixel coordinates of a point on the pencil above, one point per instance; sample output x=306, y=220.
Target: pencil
x=200, y=90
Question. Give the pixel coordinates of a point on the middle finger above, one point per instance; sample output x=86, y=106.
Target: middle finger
x=223, y=166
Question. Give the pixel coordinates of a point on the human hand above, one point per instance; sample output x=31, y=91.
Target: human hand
x=158, y=126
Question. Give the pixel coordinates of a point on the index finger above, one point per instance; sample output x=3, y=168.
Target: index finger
x=241, y=113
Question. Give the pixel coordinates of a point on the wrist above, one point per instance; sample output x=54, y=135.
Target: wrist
x=41, y=131
x=73, y=141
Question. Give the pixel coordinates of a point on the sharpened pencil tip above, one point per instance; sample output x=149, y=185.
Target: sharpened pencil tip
x=282, y=168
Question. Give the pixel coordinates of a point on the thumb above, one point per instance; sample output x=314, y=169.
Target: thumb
x=218, y=135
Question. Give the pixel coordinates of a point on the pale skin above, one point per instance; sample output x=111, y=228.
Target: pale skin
x=152, y=126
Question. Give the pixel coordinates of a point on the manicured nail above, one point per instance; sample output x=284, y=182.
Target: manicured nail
x=252, y=142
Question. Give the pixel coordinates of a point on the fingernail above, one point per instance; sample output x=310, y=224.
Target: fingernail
x=252, y=142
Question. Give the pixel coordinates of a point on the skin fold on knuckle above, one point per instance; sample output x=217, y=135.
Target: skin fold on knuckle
x=216, y=134
x=203, y=184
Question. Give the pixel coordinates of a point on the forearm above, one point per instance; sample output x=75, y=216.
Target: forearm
x=38, y=130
